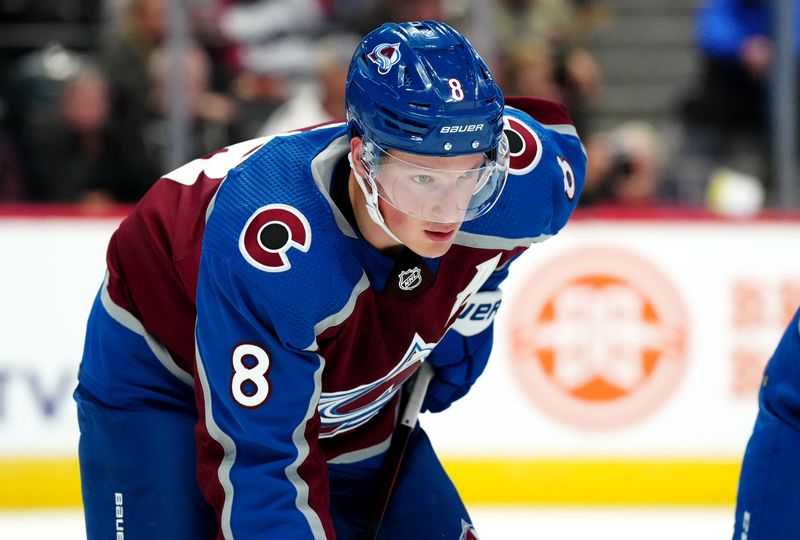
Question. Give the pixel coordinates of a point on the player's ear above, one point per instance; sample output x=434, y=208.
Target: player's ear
x=355, y=150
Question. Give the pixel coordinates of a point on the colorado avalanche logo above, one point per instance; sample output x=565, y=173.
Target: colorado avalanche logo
x=524, y=146
x=348, y=409
x=385, y=55
x=269, y=234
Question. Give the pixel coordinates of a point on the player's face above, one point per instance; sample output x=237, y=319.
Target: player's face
x=429, y=188
x=437, y=187
x=424, y=238
x=427, y=203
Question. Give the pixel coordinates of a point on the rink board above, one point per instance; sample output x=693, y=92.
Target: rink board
x=626, y=365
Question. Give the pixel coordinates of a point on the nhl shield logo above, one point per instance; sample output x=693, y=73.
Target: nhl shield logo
x=410, y=279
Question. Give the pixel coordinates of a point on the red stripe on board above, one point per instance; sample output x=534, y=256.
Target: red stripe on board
x=51, y=211
x=678, y=213
x=601, y=212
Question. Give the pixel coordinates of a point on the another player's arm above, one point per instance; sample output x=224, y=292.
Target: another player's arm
x=260, y=462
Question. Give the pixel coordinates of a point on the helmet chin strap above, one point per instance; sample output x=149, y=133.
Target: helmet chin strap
x=371, y=196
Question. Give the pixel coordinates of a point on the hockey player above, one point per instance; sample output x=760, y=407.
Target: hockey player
x=766, y=505
x=263, y=305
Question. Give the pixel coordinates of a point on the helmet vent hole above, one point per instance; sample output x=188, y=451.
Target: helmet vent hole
x=424, y=29
x=423, y=106
x=402, y=74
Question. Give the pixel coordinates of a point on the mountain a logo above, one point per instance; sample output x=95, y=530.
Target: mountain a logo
x=385, y=55
x=348, y=409
x=410, y=279
x=598, y=338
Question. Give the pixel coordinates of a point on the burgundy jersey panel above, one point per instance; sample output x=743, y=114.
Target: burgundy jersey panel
x=309, y=471
x=156, y=253
x=364, y=350
x=544, y=110
x=210, y=454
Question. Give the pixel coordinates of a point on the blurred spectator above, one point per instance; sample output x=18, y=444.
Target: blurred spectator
x=725, y=118
x=537, y=35
x=530, y=70
x=126, y=48
x=35, y=83
x=372, y=14
x=71, y=149
x=125, y=52
x=75, y=157
x=212, y=114
x=272, y=35
x=12, y=182
x=733, y=37
x=29, y=28
x=259, y=49
x=323, y=99
x=624, y=166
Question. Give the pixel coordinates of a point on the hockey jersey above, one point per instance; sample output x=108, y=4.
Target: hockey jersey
x=266, y=310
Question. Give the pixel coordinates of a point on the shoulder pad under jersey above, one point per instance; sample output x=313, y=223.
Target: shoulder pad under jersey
x=546, y=173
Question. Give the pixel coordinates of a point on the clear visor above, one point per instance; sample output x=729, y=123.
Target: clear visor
x=441, y=195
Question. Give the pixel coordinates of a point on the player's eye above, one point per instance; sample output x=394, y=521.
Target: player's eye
x=468, y=179
x=467, y=176
x=422, y=179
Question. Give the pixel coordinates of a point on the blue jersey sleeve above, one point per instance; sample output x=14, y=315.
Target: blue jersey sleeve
x=546, y=175
x=260, y=461
x=548, y=163
x=547, y=166
x=462, y=354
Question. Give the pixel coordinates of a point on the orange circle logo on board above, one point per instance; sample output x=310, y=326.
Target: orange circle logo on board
x=598, y=337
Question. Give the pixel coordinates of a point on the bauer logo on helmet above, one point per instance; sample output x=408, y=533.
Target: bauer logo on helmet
x=462, y=129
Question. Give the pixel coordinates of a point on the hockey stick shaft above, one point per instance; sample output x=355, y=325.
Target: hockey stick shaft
x=397, y=448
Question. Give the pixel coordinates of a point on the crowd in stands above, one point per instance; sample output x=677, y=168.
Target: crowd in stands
x=725, y=114
x=85, y=118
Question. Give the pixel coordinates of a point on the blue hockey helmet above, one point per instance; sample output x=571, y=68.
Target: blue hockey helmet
x=421, y=87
